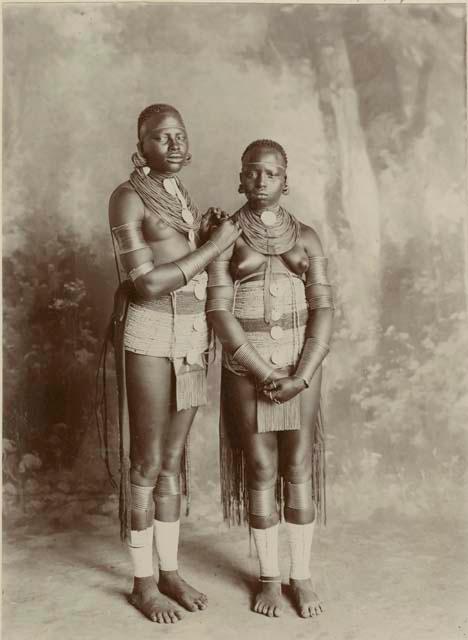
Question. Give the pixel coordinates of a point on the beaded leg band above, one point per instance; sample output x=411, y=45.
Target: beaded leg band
x=268, y=579
x=142, y=511
x=299, y=496
x=167, y=486
x=262, y=502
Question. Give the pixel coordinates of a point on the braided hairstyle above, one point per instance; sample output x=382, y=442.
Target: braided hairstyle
x=153, y=109
x=266, y=144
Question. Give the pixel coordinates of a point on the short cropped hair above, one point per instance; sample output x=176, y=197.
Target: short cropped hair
x=266, y=144
x=150, y=111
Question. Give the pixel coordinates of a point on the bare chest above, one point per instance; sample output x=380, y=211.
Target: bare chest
x=246, y=261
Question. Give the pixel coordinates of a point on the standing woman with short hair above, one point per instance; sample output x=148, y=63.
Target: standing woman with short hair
x=161, y=343
x=270, y=303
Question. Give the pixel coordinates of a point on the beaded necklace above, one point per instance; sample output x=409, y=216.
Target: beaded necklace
x=272, y=233
x=274, y=237
x=167, y=198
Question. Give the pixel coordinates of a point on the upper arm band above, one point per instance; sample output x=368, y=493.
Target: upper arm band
x=317, y=273
x=129, y=237
x=141, y=270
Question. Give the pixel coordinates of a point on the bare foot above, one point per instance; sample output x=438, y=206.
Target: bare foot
x=173, y=586
x=268, y=599
x=147, y=598
x=305, y=599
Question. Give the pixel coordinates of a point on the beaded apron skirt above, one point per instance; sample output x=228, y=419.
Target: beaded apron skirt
x=174, y=326
x=279, y=342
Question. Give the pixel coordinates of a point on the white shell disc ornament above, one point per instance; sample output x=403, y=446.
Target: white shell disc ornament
x=187, y=216
x=169, y=186
x=268, y=218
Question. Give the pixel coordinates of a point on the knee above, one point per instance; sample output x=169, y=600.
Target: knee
x=262, y=473
x=298, y=470
x=146, y=470
x=171, y=463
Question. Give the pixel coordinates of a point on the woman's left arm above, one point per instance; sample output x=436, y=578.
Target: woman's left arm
x=320, y=304
x=319, y=323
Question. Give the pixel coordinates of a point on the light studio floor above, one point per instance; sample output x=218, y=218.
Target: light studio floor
x=380, y=579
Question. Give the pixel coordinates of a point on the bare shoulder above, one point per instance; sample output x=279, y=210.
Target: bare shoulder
x=311, y=241
x=125, y=205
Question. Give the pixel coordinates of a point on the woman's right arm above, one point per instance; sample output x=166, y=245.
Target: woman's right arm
x=219, y=303
x=126, y=214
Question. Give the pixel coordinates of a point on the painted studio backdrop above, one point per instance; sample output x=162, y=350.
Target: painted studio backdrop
x=368, y=102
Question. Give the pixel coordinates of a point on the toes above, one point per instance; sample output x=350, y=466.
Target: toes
x=256, y=606
x=277, y=612
x=265, y=610
x=270, y=612
x=159, y=618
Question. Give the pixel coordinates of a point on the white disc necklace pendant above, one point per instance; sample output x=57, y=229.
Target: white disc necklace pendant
x=191, y=237
x=187, y=216
x=169, y=186
x=268, y=218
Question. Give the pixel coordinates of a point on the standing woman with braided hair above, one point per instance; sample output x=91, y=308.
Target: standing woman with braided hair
x=161, y=343
x=270, y=303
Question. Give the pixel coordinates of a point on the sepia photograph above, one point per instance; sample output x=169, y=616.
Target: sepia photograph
x=235, y=305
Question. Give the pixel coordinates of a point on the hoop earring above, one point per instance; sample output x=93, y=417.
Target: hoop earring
x=139, y=162
x=240, y=189
x=188, y=159
x=285, y=189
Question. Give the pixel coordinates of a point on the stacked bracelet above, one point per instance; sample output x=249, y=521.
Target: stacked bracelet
x=218, y=304
x=218, y=275
x=313, y=353
x=249, y=358
x=195, y=262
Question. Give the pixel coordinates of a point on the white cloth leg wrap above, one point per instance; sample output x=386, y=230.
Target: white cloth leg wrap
x=140, y=546
x=166, y=535
x=266, y=541
x=300, y=544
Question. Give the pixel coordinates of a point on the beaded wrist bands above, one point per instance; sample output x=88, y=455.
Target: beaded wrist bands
x=218, y=304
x=249, y=358
x=196, y=261
x=313, y=353
x=218, y=274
